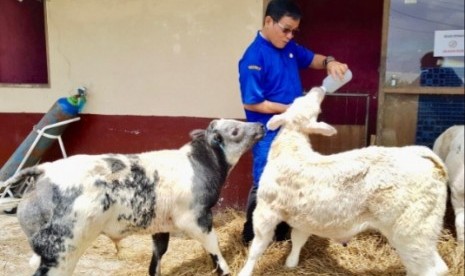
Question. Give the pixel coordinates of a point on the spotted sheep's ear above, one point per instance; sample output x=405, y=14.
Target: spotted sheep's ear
x=276, y=121
x=197, y=133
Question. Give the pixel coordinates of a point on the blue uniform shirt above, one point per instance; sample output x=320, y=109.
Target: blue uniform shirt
x=270, y=73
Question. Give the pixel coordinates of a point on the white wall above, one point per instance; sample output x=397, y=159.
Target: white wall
x=144, y=57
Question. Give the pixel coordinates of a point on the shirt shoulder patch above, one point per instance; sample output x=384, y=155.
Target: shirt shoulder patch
x=254, y=67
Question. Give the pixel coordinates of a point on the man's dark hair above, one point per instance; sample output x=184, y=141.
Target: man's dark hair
x=276, y=9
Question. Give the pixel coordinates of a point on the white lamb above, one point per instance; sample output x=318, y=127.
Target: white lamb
x=450, y=147
x=400, y=192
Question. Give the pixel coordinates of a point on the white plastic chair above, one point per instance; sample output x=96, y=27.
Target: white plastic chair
x=10, y=200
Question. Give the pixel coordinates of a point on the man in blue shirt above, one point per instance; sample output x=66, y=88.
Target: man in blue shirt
x=270, y=81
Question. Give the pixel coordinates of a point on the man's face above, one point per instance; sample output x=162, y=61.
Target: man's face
x=279, y=33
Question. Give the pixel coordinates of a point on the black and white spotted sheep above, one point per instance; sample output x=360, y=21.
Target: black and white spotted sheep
x=74, y=200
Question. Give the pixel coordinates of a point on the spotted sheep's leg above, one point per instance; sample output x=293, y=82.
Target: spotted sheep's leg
x=160, y=245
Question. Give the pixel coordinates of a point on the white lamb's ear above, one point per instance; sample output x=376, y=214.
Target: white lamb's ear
x=322, y=128
x=275, y=122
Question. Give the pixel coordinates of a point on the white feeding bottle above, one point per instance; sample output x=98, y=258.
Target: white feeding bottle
x=330, y=84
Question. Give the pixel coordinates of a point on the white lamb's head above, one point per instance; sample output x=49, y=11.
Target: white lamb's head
x=302, y=115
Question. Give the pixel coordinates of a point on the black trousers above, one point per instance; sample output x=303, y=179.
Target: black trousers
x=281, y=231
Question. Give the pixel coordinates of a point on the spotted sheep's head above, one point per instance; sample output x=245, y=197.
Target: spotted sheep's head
x=302, y=115
x=232, y=137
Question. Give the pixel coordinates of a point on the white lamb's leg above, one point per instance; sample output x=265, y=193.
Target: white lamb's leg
x=457, y=200
x=440, y=266
x=264, y=224
x=459, y=224
x=418, y=252
x=414, y=235
x=259, y=244
x=298, y=238
x=427, y=263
